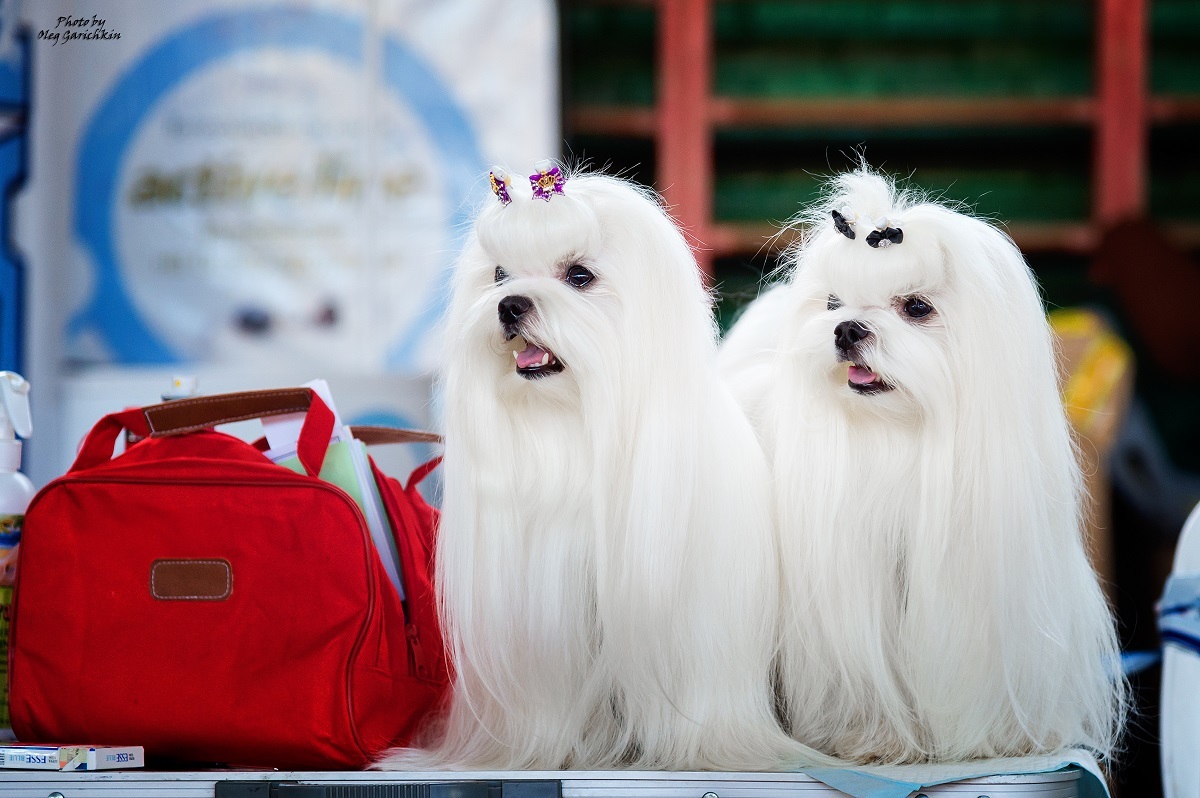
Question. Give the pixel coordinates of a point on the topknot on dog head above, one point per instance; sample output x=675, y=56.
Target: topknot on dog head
x=533, y=217
x=869, y=194
x=860, y=215
x=864, y=206
x=589, y=208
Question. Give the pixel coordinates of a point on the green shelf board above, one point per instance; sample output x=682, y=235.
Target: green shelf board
x=758, y=196
x=910, y=20
x=903, y=69
x=609, y=26
x=1174, y=20
x=790, y=21
x=859, y=72
x=1175, y=194
x=1175, y=68
x=615, y=81
x=794, y=21
x=737, y=286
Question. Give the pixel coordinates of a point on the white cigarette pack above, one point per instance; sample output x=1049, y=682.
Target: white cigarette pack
x=71, y=757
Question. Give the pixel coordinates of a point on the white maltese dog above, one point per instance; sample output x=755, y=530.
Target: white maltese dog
x=606, y=563
x=939, y=603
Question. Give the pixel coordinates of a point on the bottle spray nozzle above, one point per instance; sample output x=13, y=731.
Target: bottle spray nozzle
x=14, y=406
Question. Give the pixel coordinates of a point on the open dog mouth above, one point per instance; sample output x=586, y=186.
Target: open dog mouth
x=860, y=378
x=532, y=360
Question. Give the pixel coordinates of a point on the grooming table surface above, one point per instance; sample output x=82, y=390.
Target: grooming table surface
x=523, y=784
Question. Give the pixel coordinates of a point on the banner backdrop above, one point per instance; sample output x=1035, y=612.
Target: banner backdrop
x=229, y=187
x=244, y=182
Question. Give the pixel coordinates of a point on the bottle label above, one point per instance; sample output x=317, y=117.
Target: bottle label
x=10, y=530
x=10, y=536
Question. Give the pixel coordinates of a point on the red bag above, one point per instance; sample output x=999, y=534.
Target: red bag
x=193, y=597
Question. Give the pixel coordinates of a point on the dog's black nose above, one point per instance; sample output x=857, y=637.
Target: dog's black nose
x=847, y=334
x=512, y=308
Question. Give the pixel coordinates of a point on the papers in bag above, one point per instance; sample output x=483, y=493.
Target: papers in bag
x=346, y=466
x=71, y=757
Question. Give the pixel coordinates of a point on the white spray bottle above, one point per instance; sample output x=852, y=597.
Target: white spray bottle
x=15, y=488
x=16, y=491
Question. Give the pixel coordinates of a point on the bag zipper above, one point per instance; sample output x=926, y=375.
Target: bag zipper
x=416, y=654
x=418, y=664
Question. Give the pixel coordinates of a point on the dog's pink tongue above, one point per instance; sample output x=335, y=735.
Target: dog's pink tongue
x=862, y=376
x=532, y=356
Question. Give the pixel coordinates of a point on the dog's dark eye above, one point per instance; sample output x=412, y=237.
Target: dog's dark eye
x=578, y=276
x=501, y=275
x=834, y=303
x=917, y=308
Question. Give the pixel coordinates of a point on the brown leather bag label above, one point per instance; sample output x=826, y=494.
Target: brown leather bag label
x=191, y=580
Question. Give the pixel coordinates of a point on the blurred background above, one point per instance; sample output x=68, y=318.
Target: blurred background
x=251, y=193
x=260, y=193
x=1074, y=124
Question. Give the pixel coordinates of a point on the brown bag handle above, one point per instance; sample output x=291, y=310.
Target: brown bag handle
x=372, y=435
x=201, y=412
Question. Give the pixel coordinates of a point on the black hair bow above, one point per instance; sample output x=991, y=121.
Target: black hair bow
x=885, y=237
x=843, y=226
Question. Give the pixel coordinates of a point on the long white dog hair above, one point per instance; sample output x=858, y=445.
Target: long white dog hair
x=940, y=605
x=606, y=566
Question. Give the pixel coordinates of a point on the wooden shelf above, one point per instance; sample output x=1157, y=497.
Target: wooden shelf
x=728, y=239
x=1078, y=238
x=613, y=120
x=1169, y=110
x=730, y=113
x=1185, y=234
x=754, y=238
x=750, y=239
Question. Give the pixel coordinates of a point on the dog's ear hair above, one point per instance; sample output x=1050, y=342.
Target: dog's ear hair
x=688, y=507
x=1010, y=537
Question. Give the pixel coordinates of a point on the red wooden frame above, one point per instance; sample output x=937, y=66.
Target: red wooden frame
x=687, y=113
x=1119, y=185
x=684, y=149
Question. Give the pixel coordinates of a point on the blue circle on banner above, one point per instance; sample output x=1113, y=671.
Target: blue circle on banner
x=108, y=134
